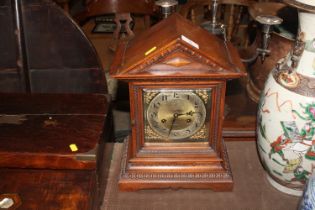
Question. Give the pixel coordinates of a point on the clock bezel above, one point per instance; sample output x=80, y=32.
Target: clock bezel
x=160, y=101
x=140, y=148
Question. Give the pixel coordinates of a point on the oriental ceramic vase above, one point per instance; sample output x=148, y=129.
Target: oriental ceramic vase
x=308, y=199
x=286, y=111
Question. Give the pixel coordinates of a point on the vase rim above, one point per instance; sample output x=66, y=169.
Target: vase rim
x=300, y=5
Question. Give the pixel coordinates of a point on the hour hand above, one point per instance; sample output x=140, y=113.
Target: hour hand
x=175, y=116
x=173, y=122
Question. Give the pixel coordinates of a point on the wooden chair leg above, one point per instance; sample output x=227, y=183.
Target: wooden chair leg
x=118, y=18
x=230, y=22
x=116, y=34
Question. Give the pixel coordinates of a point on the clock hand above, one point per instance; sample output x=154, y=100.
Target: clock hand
x=191, y=113
x=175, y=116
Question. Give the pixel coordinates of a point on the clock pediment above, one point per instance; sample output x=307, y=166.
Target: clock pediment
x=177, y=48
x=179, y=62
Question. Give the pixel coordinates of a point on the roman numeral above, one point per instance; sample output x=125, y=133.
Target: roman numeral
x=153, y=115
x=156, y=105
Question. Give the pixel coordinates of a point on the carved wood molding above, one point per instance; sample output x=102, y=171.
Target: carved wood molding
x=176, y=176
x=181, y=47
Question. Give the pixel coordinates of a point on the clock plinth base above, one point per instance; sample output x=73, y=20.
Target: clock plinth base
x=133, y=180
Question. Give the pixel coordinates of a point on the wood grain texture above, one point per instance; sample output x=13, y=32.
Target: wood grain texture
x=42, y=140
x=50, y=189
x=36, y=162
x=45, y=103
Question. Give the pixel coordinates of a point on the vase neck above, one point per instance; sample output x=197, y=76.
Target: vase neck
x=306, y=64
x=307, y=21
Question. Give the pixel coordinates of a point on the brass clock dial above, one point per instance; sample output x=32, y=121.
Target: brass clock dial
x=176, y=114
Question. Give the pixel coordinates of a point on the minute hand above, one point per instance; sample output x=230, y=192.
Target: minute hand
x=191, y=113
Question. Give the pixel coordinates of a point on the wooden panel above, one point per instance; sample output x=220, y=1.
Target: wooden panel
x=42, y=139
x=50, y=190
x=35, y=133
x=38, y=141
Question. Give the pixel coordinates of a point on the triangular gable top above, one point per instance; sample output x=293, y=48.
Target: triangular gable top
x=165, y=38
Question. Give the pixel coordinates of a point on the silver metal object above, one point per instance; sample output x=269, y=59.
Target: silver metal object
x=167, y=7
x=213, y=26
x=267, y=21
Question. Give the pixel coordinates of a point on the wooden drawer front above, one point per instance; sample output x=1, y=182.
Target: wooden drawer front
x=51, y=189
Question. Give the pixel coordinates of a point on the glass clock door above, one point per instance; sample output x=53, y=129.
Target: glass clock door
x=176, y=115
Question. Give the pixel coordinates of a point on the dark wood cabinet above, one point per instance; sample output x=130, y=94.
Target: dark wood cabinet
x=52, y=149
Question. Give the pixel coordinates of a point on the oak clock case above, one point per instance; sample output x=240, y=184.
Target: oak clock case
x=177, y=76
x=176, y=115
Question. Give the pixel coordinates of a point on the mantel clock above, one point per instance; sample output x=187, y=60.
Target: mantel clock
x=177, y=75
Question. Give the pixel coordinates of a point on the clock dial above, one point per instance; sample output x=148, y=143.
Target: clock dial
x=176, y=114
